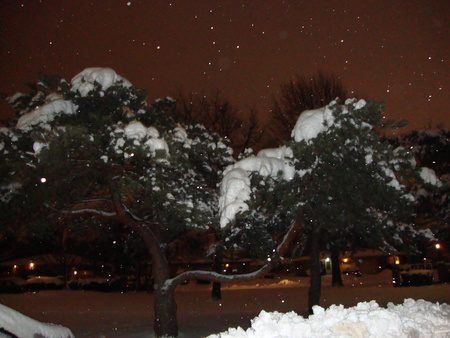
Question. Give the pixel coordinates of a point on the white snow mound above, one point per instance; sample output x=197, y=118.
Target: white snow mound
x=46, y=113
x=235, y=187
x=429, y=176
x=22, y=326
x=85, y=81
x=234, y=192
x=411, y=319
x=312, y=122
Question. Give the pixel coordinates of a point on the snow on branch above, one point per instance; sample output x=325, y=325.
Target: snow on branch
x=85, y=81
x=85, y=210
x=89, y=211
x=216, y=277
x=235, y=188
x=271, y=262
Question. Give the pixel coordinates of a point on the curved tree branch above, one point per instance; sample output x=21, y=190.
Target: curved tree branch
x=276, y=258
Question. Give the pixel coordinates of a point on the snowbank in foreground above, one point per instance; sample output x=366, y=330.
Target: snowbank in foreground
x=20, y=325
x=411, y=319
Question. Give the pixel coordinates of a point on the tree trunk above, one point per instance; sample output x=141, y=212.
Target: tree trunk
x=315, y=268
x=165, y=310
x=336, y=278
x=216, y=293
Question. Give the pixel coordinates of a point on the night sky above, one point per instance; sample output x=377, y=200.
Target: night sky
x=393, y=51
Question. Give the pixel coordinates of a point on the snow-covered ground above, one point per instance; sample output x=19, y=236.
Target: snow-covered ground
x=97, y=314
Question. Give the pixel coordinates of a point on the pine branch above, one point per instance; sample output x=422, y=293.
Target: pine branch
x=271, y=262
x=89, y=211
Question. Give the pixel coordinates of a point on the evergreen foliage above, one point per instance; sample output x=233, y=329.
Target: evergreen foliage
x=431, y=148
x=350, y=187
x=166, y=173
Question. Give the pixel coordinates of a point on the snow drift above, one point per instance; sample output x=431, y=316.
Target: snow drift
x=13, y=322
x=411, y=319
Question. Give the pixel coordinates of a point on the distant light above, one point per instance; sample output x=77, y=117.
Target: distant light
x=345, y=260
x=31, y=266
x=43, y=180
x=327, y=259
x=438, y=246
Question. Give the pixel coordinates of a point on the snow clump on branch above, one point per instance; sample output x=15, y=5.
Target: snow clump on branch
x=429, y=176
x=46, y=113
x=85, y=81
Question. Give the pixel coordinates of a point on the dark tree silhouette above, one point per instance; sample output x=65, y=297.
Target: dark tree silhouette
x=302, y=93
x=219, y=115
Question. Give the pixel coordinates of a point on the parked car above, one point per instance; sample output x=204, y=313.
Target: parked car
x=352, y=271
x=101, y=284
x=12, y=285
x=44, y=283
x=412, y=274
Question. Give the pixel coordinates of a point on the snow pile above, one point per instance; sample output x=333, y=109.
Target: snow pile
x=411, y=319
x=46, y=113
x=85, y=81
x=20, y=325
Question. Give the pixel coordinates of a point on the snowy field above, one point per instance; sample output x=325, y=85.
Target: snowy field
x=96, y=314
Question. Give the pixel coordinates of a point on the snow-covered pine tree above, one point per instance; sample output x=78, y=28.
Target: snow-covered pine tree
x=335, y=181
x=431, y=149
x=95, y=147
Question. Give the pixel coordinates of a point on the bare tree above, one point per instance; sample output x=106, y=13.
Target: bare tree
x=302, y=93
x=242, y=129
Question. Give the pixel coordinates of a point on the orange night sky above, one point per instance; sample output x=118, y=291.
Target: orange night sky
x=396, y=52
